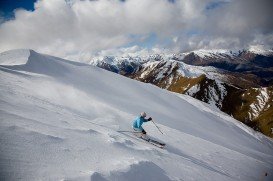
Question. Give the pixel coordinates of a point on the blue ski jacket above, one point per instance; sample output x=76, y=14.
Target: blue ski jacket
x=138, y=122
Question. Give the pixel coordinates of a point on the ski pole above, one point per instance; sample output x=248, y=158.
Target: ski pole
x=157, y=127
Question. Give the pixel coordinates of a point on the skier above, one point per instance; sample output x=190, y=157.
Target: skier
x=137, y=124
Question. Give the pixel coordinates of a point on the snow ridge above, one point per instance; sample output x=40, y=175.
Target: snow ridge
x=14, y=57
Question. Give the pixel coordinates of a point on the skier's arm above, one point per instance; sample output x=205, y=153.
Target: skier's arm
x=149, y=119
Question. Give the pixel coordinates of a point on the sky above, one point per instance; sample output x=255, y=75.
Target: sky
x=80, y=29
x=7, y=8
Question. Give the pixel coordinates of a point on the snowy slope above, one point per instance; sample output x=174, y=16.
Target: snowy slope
x=214, y=53
x=59, y=121
x=184, y=70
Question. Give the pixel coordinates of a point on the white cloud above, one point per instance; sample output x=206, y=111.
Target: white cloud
x=79, y=28
x=132, y=51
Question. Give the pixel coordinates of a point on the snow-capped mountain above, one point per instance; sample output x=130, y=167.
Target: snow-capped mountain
x=258, y=62
x=218, y=87
x=230, y=55
x=186, y=79
x=225, y=53
x=127, y=64
x=60, y=121
x=213, y=86
x=255, y=107
x=255, y=61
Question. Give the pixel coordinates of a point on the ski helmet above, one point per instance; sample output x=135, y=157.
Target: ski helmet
x=143, y=114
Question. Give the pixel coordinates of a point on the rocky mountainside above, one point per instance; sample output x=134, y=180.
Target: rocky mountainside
x=252, y=106
x=255, y=62
x=237, y=93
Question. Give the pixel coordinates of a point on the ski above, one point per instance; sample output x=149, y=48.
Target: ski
x=138, y=134
x=151, y=141
x=155, y=143
x=129, y=131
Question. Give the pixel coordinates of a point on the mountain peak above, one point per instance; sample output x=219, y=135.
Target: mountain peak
x=261, y=50
x=15, y=57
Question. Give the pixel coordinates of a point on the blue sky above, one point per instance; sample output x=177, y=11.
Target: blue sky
x=215, y=4
x=7, y=6
x=147, y=42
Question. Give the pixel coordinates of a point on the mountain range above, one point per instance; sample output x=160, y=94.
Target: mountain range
x=239, y=83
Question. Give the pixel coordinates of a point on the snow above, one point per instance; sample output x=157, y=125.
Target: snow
x=143, y=57
x=195, y=71
x=152, y=60
x=184, y=69
x=262, y=100
x=148, y=68
x=170, y=81
x=60, y=121
x=260, y=49
x=14, y=57
x=116, y=60
x=215, y=53
x=216, y=99
x=225, y=53
x=193, y=90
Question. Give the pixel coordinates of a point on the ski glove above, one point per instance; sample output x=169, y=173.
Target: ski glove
x=149, y=119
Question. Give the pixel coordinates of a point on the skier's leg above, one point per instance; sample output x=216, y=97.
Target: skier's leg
x=144, y=134
x=138, y=132
x=137, y=129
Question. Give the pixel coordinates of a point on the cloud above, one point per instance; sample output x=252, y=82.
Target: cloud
x=132, y=51
x=80, y=28
x=231, y=24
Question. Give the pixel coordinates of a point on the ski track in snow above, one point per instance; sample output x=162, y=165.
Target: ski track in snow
x=60, y=121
